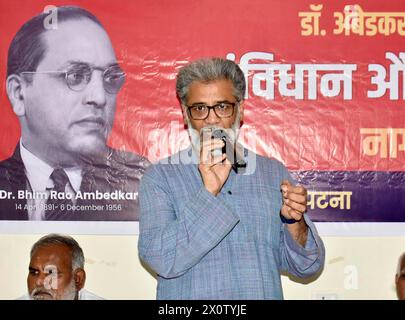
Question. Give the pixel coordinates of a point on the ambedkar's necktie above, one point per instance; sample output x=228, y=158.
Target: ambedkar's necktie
x=58, y=206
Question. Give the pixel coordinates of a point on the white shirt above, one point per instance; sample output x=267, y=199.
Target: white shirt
x=38, y=174
x=83, y=295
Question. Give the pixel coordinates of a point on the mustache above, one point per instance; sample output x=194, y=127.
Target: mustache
x=40, y=291
x=195, y=135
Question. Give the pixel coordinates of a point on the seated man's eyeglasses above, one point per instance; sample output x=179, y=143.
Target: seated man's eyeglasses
x=77, y=76
x=200, y=111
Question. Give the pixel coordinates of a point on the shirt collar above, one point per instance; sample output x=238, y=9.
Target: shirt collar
x=38, y=172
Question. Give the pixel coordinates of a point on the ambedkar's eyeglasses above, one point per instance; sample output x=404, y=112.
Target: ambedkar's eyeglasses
x=78, y=76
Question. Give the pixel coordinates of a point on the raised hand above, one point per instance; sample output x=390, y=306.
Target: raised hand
x=214, y=170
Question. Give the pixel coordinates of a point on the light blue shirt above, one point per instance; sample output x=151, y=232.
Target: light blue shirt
x=232, y=246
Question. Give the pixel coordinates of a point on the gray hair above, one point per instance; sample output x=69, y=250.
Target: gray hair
x=208, y=70
x=62, y=240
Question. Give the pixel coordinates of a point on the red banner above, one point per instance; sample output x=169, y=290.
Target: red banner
x=325, y=88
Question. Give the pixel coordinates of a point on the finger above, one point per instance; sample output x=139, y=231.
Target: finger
x=226, y=161
x=211, y=148
x=290, y=213
x=284, y=212
x=217, y=159
x=295, y=215
x=206, y=150
x=299, y=207
x=212, y=143
x=299, y=190
x=294, y=189
x=299, y=198
x=285, y=184
x=205, y=156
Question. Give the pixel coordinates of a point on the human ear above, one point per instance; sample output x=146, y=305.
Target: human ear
x=241, y=109
x=184, y=112
x=79, y=278
x=15, y=87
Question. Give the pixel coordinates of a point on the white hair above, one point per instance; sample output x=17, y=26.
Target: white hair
x=60, y=239
x=208, y=70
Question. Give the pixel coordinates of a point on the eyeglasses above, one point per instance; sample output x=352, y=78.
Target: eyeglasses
x=201, y=111
x=79, y=75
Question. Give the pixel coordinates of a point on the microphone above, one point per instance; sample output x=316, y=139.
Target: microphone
x=229, y=149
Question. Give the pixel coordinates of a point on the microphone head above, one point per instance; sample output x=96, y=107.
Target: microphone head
x=220, y=134
x=229, y=147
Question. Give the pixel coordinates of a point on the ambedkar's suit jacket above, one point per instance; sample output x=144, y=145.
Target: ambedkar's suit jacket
x=119, y=171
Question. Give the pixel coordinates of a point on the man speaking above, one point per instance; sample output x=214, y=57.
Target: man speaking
x=222, y=227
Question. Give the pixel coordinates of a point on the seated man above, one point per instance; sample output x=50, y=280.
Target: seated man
x=400, y=278
x=56, y=270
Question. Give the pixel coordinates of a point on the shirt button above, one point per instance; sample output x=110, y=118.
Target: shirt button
x=229, y=192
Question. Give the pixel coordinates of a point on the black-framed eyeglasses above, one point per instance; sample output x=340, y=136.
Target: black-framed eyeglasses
x=201, y=111
x=78, y=76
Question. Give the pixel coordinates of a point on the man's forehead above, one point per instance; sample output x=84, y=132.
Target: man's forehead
x=220, y=82
x=219, y=89
x=57, y=255
x=77, y=40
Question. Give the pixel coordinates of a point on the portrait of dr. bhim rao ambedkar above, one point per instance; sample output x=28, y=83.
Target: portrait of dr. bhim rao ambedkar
x=62, y=84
